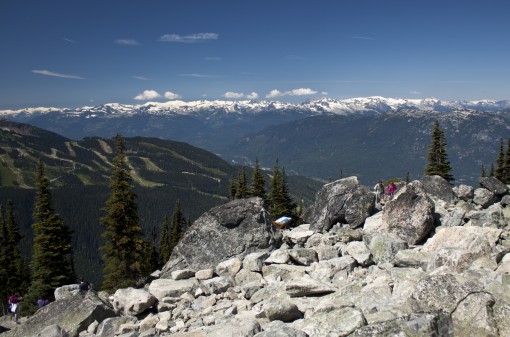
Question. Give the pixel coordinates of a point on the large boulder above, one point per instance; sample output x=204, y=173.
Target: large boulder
x=344, y=201
x=408, y=216
x=493, y=184
x=235, y=229
x=73, y=315
x=131, y=301
x=438, y=187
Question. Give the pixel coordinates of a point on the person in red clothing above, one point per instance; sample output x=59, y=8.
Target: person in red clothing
x=14, y=306
x=390, y=190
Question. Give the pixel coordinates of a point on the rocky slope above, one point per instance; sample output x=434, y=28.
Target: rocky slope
x=433, y=261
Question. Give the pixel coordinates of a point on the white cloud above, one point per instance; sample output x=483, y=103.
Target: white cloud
x=69, y=40
x=274, y=93
x=126, y=42
x=191, y=38
x=141, y=78
x=253, y=95
x=147, y=95
x=171, y=95
x=325, y=93
x=414, y=92
x=233, y=95
x=54, y=74
x=294, y=92
x=197, y=75
x=302, y=92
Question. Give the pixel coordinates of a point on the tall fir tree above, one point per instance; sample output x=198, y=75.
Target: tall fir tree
x=483, y=174
x=280, y=202
x=506, y=176
x=232, y=189
x=123, y=249
x=491, y=170
x=178, y=224
x=258, y=183
x=164, y=242
x=153, y=249
x=437, y=158
x=52, y=262
x=500, y=162
x=242, y=190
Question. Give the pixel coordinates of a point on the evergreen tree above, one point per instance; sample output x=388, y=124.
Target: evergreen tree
x=242, y=185
x=123, y=249
x=232, y=189
x=482, y=172
x=408, y=179
x=19, y=278
x=178, y=223
x=438, y=163
x=258, y=184
x=341, y=174
x=507, y=164
x=280, y=202
x=52, y=255
x=491, y=171
x=153, y=250
x=500, y=162
x=164, y=243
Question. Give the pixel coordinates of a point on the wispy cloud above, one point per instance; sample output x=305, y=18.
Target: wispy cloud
x=69, y=40
x=54, y=74
x=191, y=38
x=294, y=92
x=197, y=75
x=253, y=95
x=414, y=92
x=171, y=95
x=141, y=78
x=358, y=37
x=147, y=95
x=126, y=42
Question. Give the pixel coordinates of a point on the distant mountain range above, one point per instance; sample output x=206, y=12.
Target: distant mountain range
x=316, y=138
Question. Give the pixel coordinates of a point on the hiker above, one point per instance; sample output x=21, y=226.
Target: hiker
x=14, y=306
x=379, y=192
x=84, y=285
x=390, y=190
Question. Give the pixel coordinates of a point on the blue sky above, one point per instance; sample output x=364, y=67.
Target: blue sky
x=74, y=53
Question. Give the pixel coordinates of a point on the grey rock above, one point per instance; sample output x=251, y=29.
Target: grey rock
x=255, y=261
x=325, y=271
x=248, y=277
x=452, y=218
x=307, y=286
x=326, y=252
x=298, y=235
x=278, y=256
x=336, y=322
x=283, y=331
x=432, y=323
x=412, y=258
x=171, y=288
x=132, y=301
x=109, y=327
x=235, y=229
x=182, y=274
x=346, y=234
x=493, y=184
x=505, y=201
x=359, y=252
x=464, y=192
x=283, y=272
x=484, y=197
x=344, y=201
x=282, y=311
x=204, y=274
x=408, y=216
x=474, y=316
x=501, y=311
x=439, y=292
x=384, y=249
x=218, y=284
x=229, y=267
x=303, y=256
x=438, y=187
x=73, y=314
x=66, y=291
x=52, y=331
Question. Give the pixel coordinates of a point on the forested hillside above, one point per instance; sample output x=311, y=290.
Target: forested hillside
x=162, y=170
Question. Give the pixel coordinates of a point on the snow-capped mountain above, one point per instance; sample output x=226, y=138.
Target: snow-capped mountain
x=316, y=138
x=209, y=109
